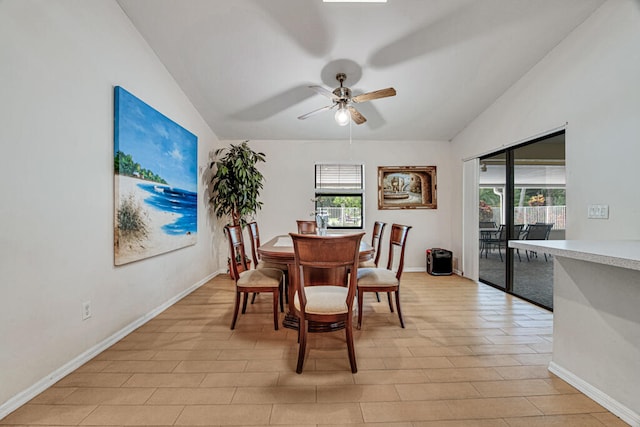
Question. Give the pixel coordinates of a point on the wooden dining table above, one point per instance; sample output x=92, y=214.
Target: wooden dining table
x=279, y=250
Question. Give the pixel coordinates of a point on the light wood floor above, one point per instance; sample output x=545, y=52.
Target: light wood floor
x=469, y=356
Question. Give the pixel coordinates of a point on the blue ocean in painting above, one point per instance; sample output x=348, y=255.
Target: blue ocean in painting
x=174, y=200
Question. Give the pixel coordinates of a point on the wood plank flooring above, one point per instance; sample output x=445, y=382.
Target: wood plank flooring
x=470, y=356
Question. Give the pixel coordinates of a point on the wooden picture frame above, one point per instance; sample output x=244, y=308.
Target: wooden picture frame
x=407, y=187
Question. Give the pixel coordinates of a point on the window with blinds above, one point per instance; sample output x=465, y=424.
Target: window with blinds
x=339, y=190
x=342, y=176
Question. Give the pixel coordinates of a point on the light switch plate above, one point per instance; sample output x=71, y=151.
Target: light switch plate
x=598, y=212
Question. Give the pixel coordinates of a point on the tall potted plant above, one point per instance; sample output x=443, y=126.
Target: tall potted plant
x=236, y=183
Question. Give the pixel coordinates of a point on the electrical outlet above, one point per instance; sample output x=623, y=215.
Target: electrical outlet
x=86, y=310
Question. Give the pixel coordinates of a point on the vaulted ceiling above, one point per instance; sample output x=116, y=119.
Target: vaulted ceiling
x=246, y=64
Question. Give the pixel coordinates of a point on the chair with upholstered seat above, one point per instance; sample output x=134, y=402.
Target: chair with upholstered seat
x=254, y=234
x=376, y=244
x=385, y=279
x=306, y=227
x=261, y=280
x=324, y=287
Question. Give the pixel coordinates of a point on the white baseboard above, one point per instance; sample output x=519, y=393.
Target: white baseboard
x=24, y=396
x=626, y=414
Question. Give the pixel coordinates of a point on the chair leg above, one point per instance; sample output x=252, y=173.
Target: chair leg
x=378, y=296
x=390, y=303
x=398, y=307
x=253, y=298
x=276, y=297
x=350, y=347
x=518, y=252
x=302, y=332
x=360, y=299
x=235, y=310
x=286, y=287
x=244, y=302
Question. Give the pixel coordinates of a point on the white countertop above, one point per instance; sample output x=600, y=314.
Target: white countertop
x=618, y=253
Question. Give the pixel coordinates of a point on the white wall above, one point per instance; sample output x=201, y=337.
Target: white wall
x=289, y=179
x=589, y=81
x=59, y=62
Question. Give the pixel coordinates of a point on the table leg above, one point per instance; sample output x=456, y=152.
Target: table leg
x=290, y=320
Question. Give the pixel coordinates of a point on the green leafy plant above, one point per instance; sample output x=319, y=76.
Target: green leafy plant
x=236, y=182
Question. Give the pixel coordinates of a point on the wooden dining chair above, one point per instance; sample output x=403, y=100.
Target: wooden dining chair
x=254, y=235
x=306, y=227
x=251, y=281
x=324, y=288
x=376, y=244
x=385, y=279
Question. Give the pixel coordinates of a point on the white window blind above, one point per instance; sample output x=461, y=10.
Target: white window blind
x=339, y=177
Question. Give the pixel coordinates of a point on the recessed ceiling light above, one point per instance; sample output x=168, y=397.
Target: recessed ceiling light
x=354, y=1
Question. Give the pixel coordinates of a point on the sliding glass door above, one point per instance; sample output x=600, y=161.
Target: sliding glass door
x=522, y=196
x=491, y=216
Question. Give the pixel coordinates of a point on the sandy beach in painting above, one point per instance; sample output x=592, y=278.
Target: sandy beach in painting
x=156, y=241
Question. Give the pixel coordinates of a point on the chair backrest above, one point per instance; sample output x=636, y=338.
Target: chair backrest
x=517, y=231
x=254, y=234
x=326, y=260
x=487, y=224
x=502, y=232
x=306, y=227
x=376, y=239
x=397, y=243
x=236, y=249
x=538, y=231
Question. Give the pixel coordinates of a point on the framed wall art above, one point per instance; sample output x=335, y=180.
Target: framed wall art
x=407, y=187
x=155, y=181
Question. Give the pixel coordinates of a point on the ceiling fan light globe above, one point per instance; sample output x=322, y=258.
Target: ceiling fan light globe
x=342, y=117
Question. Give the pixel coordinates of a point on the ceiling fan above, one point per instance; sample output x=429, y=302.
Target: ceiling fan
x=342, y=99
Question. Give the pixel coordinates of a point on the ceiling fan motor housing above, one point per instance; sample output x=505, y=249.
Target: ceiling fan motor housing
x=344, y=93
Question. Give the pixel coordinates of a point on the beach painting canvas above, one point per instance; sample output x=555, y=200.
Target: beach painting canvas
x=155, y=164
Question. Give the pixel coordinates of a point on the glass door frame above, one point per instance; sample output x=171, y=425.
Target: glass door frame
x=508, y=208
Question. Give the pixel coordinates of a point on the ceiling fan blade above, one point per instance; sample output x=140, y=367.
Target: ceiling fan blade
x=325, y=92
x=356, y=116
x=314, y=112
x=382, y=93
